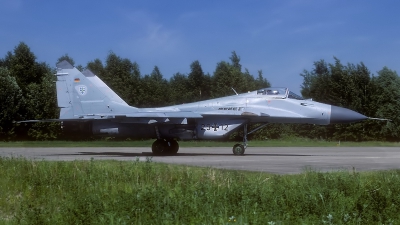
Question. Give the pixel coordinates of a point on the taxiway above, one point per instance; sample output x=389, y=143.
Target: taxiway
x=279, y=160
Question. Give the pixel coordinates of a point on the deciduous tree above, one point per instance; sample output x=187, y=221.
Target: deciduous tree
x=11, y=100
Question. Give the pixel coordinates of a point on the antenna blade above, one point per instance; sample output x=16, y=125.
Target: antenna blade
x=234, y=91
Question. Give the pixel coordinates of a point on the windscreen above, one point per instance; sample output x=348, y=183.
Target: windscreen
x=294, y=96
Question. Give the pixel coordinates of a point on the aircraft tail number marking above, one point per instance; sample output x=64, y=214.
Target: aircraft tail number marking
x=214, y=127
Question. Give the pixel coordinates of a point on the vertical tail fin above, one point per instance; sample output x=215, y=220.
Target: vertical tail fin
x=84, y=94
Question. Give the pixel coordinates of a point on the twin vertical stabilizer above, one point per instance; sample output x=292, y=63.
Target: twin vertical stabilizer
x=83, y=94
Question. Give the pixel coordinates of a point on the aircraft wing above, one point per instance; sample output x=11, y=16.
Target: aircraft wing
x=175, y=117
x=178, y=117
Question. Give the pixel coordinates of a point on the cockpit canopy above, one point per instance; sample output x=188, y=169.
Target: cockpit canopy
x=279, y=93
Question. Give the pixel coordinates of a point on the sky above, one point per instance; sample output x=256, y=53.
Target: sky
x=280, y=37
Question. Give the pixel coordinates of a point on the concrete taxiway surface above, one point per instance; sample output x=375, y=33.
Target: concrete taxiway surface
x=280, y=160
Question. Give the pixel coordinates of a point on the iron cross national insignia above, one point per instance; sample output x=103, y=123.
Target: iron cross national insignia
x=81, y=89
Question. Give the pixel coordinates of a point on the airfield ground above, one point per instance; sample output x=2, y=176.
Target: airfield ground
x=278, y=160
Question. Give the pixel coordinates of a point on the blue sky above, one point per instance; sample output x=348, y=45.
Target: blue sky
x=281, y=38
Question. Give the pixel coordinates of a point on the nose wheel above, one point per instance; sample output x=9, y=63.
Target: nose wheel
x=238, y=149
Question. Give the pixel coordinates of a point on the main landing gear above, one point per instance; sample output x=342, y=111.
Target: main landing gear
x=165, y=147
x=238, y=149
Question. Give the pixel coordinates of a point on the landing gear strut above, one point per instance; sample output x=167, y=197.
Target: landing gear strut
x=165, y=147
x=238, y=149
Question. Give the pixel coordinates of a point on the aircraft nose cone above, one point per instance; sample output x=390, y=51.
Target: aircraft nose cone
x=343, y=115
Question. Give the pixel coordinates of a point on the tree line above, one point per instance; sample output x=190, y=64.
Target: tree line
x=28, y=92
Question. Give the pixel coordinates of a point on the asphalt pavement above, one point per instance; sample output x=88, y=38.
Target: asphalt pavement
x=279, y=160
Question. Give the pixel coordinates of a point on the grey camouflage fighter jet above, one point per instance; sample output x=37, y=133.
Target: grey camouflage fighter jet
x=88, y=105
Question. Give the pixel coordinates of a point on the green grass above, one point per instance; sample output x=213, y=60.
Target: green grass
x=116, y=192
x=290, y=142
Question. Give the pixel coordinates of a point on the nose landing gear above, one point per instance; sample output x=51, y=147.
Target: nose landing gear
x=239, y=149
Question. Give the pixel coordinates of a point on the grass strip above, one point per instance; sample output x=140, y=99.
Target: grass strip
x=145, y=192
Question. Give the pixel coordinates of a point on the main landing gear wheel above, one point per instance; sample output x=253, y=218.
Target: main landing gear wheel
x=158, y=147
x=172, y=146
x=165, y=147
x=238, y=149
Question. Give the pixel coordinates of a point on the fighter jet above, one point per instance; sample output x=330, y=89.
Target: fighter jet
x=88, y=105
